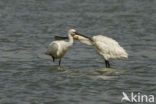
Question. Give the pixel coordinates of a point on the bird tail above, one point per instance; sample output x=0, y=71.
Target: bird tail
x=125, y=55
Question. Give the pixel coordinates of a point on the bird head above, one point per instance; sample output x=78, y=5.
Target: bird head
x=76, y=37
x=84, y=40
x=80, y=36
x=72, y=32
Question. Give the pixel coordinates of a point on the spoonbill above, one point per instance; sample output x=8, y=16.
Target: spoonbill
x=106, y=47
x=59, y=47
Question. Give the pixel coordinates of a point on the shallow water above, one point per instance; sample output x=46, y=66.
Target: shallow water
x=28, y=76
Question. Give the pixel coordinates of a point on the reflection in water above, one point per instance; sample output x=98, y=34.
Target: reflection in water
x=107, y=73
x=57, y=67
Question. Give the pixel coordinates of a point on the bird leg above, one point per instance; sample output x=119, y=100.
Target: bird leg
x=53, y=58
x=107, y=64
x=59, y=62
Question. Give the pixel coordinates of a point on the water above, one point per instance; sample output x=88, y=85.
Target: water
x=28, y=76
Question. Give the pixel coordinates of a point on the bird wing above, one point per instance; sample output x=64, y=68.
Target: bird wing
x=102, y=47
x=106, y=40
x=108, y=47
x=52, y=49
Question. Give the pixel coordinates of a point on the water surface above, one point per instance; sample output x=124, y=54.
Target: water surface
x=28, y=76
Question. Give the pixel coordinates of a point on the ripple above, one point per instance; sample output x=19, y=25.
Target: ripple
x=28, y=76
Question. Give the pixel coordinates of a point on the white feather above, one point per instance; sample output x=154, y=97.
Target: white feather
x=58, y=49
x=107, y=47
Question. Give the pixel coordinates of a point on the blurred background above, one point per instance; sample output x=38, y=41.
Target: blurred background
x=28, y=76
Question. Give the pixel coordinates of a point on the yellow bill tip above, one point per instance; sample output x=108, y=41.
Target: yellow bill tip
x=75, y=37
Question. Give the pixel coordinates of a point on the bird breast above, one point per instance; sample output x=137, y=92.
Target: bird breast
x=62, y=48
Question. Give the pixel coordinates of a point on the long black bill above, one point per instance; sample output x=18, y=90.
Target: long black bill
x=60, y=38
x=79, y=34
x=83, y=36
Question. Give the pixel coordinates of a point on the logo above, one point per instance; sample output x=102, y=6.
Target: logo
x=137, y=97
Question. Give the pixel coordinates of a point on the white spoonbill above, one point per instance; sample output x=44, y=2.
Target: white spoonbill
x=106, y=47
x=58, y=47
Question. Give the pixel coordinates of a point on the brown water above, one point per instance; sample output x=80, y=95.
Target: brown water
x=28, y=76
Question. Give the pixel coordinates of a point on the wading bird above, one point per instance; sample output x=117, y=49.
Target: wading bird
x=59, y=47
x=106, y=47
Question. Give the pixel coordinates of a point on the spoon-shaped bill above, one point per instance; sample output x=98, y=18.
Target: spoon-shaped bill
x=60, y=38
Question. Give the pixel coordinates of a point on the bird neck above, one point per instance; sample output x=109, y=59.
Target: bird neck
x=86, y=40
x=70, y=39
